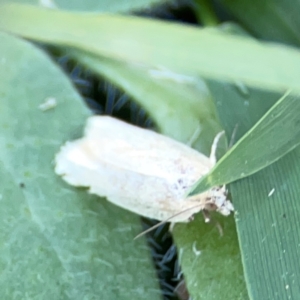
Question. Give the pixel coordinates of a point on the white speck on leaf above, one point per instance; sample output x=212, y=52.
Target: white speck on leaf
x=271, y=192
x=48, y=104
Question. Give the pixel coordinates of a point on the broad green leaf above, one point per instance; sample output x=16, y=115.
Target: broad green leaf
x=267, y=206
x=210, y=259
x=268, y=139
x=160, y=44
x=181, y=106
x=56, y=242
x=266, y=203
x=275, y=20
x=94, y=5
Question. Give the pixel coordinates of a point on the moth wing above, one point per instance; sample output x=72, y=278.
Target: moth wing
x=134, y=168
x=142, y=151
x=148, y=196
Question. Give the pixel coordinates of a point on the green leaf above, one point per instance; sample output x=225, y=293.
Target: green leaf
x=268, y=139
x=205, y=13
x=93, y=5
x=140, y=41
x=181, y=106
x=210, y=259
x=57, y=242
x=266, y=203
x=267, y=206
x=275, y=20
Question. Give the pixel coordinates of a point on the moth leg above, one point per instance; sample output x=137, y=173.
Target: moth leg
x=214, y=145
x=181, y=290
x=220, y=229
x=172, y=224
x=206, y=215
x=194, y=136
x=207, y=218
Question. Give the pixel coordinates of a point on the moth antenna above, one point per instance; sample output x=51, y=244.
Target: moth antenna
x=165, y=221
x=214, y=145
x=194, y=136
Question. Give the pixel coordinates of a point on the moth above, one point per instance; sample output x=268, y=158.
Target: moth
x=140, y=170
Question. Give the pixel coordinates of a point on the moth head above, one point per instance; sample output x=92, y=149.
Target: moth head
x=218, y=201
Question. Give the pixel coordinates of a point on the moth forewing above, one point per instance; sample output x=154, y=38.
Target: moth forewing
x=141, y=150
x=137, y=169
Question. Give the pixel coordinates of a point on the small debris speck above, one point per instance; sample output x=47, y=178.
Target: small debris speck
x=271, y=192
x=48, y=104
